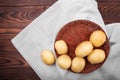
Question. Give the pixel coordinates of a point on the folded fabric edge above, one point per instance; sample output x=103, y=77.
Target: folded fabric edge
x=26, y=58
x=113, y=30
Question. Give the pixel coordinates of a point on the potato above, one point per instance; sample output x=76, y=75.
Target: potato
x=61, y=47
x=48, y=57
x=83, y=49
x=78, y=64
x=98, y=38
x=64, y=61
x=97, y=56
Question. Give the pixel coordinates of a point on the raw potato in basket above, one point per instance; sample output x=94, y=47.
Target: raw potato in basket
x=83, y=49
x=64, y=61
x=97, y=56
x=61, y=47
x=78, y=64
x=98, y=38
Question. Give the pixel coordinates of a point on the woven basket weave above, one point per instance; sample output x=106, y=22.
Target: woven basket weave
x=76, y=32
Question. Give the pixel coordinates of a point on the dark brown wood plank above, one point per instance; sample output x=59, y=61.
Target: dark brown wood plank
x=7, y=49
x=12, y=60
x=10, y=30
x=26, y=2
x=5, y=42
x=24, y=15
x=14, y=67
x=19, y=16
x=11, y=54
x=18, y=74
x=110, y=12
x=7, y=46
x=108, y=1
x=7, y=36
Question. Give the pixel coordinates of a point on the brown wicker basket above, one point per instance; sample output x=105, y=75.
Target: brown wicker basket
x=77, y=31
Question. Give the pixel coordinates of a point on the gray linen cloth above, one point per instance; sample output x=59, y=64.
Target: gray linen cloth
x=41, y=33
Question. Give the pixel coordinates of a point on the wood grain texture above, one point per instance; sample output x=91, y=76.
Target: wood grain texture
x=10, y=61
x=7, y=36
x=22, y=16
x=25, y=73
x=10, y=30
x=110, y=12
x=108, y=1
x=15, y=15
x=26, y=2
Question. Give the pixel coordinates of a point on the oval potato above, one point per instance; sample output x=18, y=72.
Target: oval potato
x=97, y=56
x=83, y=49
x=78, y=64
x=64, y=61
x=98, y=38
x=48, y=57
x=61, y=47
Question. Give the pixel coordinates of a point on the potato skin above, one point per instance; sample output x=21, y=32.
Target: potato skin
x=64, y=61
x=98, y=38
x=83, y=49
x=97, y=56
x=47, y=57
x=61, y=47
x=78, y=64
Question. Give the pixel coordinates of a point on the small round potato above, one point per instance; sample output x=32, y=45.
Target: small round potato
x=64, y=61
x=98, y=38
x=48, y=57
x=97, y=56
x=83, y=49
x=61, y=47
x=78, y=64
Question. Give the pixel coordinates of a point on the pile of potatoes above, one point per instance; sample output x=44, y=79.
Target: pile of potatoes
x=84, y=49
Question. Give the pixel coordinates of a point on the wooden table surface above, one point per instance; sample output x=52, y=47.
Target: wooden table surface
x=15, y=15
